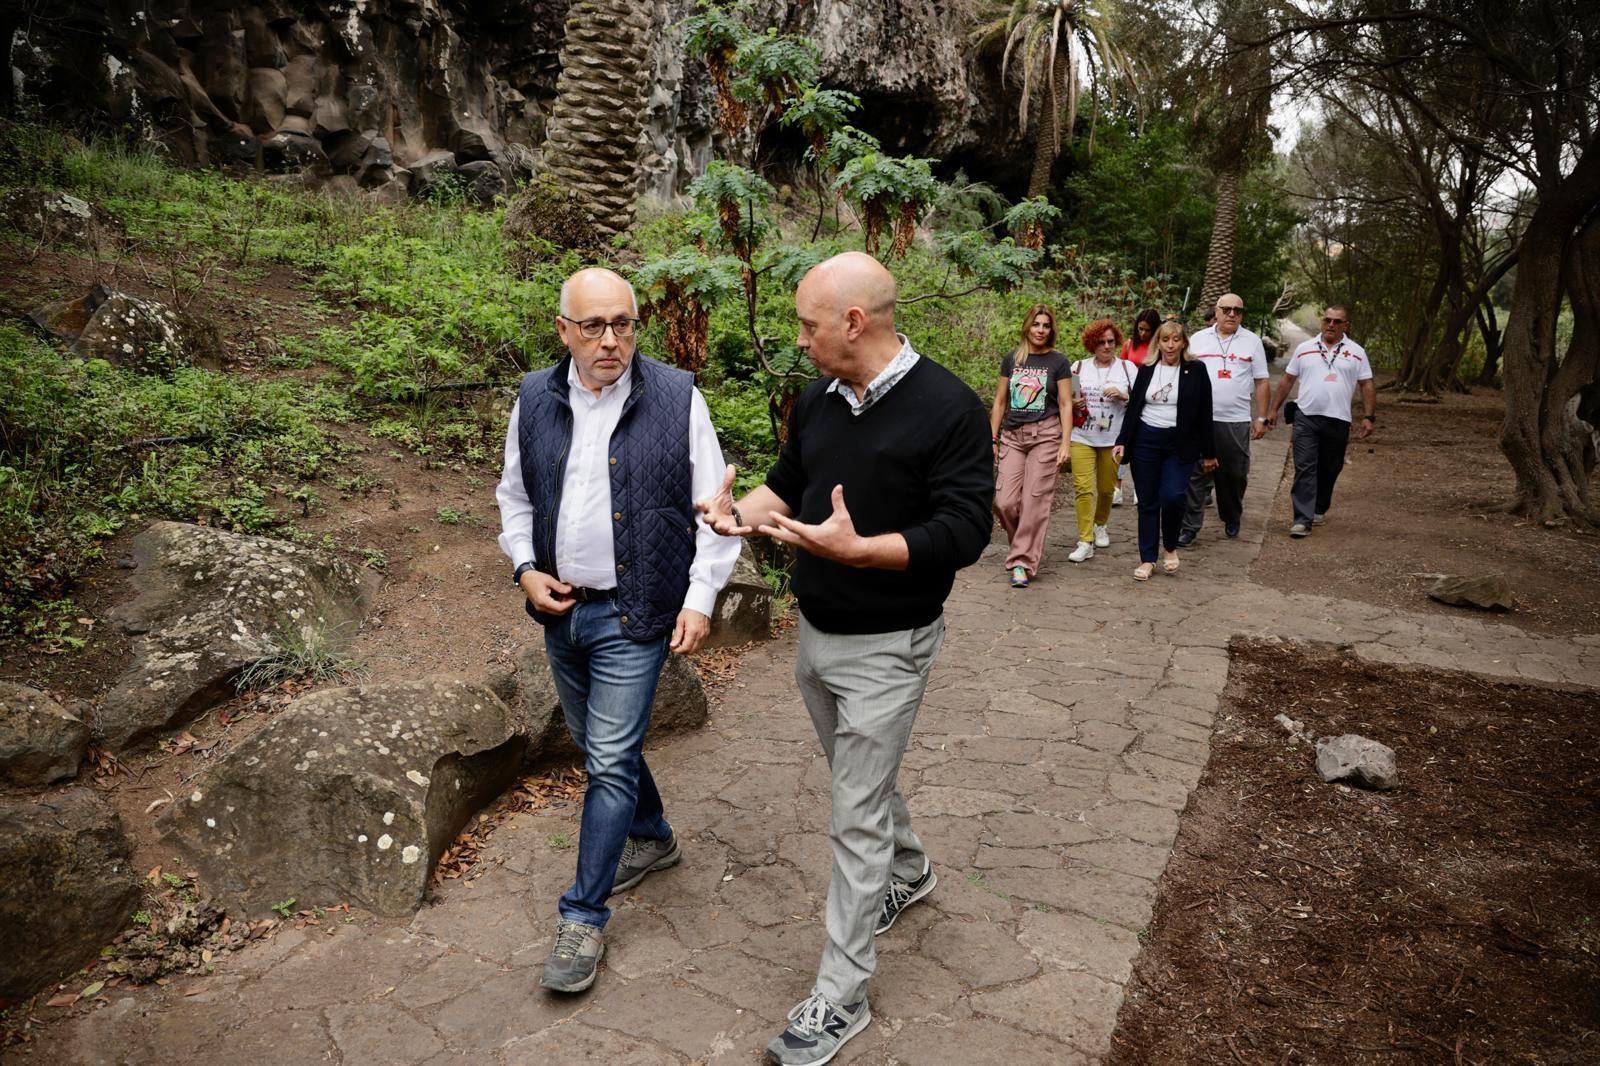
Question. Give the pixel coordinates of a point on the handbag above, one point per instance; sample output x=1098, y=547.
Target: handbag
x=1080, y=418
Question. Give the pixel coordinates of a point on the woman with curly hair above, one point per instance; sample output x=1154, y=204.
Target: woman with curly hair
x=1035, y=387
x=1104, y=384
x=1166, y=430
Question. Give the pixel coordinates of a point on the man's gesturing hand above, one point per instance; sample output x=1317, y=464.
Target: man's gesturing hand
x=719, y=510
x=546, y=593
x=690, y=632
x=835, y=538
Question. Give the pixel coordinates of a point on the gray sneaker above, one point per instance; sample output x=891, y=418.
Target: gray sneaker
x=1299, y=529
x=1317, y=520
x=640, y=857
x=902, y=894
x=577, y=951
x=817, y=1030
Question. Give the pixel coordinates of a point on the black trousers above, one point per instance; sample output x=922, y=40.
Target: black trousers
x=1231, y=478
x=1319, y=443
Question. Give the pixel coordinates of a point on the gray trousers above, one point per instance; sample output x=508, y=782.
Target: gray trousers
x=1230, y=479
x=863, y=693
x=1319, y=445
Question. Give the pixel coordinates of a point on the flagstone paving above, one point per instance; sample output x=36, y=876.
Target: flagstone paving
x=1060, y=738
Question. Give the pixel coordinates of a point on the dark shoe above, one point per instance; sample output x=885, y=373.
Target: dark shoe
x=574, y=957
x=641, y=856
x=1231, y=529
x=1186, y=538
x=902, y=894
x=817, y=1030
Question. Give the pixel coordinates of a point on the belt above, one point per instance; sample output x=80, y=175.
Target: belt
x=583, y=595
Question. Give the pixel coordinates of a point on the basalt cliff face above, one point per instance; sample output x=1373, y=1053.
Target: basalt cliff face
x=387, y=94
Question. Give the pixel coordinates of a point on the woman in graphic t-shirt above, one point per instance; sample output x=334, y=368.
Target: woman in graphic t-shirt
x=1166, y=431
x=1104, y=384
x=1136, y=350
x=1035, y=387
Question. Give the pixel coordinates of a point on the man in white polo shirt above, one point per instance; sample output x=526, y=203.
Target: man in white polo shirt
x=1330, y=368
x=1238, y=366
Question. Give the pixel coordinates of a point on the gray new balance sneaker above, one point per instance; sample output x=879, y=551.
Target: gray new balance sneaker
x=817, y=1030
x=574, y=957
x=902, y=894
x=640, y=857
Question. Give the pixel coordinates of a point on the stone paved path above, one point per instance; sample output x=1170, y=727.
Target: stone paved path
x=1062, y=733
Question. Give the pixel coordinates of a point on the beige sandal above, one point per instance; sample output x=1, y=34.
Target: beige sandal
x=1170, y=564
x=1143, y=571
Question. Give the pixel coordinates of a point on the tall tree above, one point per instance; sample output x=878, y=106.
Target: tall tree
x=1230, y=126
x=592, y=140
x=1046, y=43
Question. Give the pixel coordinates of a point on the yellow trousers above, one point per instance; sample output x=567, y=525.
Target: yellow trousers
x=1094, y=479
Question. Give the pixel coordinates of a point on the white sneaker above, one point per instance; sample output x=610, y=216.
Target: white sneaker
x=1116, y=498
x=1084, y=550
x=1102, y=539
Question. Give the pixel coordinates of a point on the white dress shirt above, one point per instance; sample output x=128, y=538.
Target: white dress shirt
x=585, y=553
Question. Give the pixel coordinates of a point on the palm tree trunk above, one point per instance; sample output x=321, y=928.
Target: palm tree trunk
x=592, y=139
x=1047, y=145
x=1219, y=260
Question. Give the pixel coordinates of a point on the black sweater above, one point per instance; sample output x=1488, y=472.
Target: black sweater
x=1195, y=439
x=918, y=463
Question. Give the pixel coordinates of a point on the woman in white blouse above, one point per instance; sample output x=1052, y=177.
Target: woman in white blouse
x=1103, y=385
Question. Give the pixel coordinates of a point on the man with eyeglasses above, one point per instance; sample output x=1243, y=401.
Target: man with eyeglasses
x=1329, y=368
x=1237, y=363
x=605, y=455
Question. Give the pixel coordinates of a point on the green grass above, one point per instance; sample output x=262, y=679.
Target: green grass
x=86, y=447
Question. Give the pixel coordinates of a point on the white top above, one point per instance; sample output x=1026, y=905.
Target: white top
x=585, y=553
x=1161, y=396
x=1328, y=376
x=1236, y=362
x=1105, y=416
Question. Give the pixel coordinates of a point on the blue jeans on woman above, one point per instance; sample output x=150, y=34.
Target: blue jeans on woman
x=607, y=685
x=1163, y=486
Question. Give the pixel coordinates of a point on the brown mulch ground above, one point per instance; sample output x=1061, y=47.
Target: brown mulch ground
x=1449, y=921
x=1425, y=495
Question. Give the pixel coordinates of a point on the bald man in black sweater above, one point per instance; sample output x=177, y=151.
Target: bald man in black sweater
x=884, y=487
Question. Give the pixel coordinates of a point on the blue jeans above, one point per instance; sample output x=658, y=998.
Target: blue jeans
x=1163, y=486
x=607, y=685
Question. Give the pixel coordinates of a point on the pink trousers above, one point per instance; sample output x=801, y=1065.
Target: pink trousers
x=1025, y=487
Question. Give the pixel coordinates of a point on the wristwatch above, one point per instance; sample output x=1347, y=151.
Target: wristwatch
x=1370, y=418
x=522, y=568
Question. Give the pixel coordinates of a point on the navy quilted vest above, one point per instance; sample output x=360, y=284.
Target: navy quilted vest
x=652, y=496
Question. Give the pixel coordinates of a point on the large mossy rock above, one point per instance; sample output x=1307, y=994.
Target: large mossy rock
x=207, y=605
x=67, y=886
x=348, y=795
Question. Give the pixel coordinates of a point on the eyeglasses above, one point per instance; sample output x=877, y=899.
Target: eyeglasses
x=1231, y=310
x=592, y=329
x=1326, y=321
x=1106, y=342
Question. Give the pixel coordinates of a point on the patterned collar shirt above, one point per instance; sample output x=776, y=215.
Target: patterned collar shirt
x=898, y=367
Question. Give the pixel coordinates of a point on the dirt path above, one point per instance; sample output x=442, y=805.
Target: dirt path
x=1062, y=735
